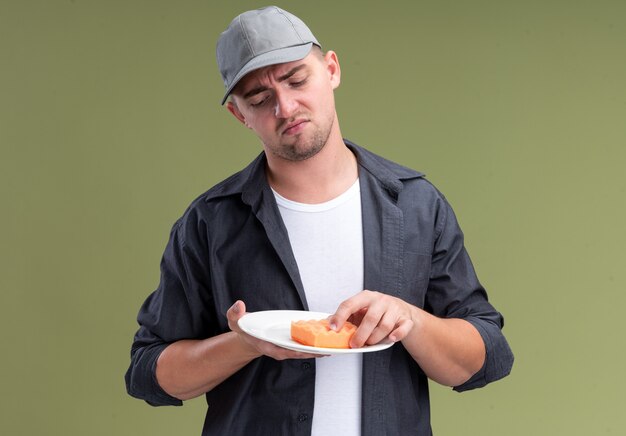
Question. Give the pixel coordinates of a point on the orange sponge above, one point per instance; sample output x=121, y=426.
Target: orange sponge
x=317, y=333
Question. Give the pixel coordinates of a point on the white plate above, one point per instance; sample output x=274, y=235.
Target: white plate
x=275, y=326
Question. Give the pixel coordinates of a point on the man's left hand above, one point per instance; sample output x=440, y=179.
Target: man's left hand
x=377, y=316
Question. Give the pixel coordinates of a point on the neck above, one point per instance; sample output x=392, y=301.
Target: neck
x=318, y=179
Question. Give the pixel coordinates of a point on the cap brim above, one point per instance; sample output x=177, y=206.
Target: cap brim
x=280, y=56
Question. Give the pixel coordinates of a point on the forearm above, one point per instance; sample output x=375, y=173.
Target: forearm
x=189, y=368
x=449, y=350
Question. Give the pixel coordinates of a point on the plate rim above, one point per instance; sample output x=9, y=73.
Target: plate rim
x=295, y=346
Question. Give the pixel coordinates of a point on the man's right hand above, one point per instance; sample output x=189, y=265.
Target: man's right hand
x=190, y=367
x=258, y=347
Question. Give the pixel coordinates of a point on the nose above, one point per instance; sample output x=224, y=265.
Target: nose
x=285, y=104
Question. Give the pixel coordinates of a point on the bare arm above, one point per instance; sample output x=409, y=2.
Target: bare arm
x=189, y=368
x=449, y=350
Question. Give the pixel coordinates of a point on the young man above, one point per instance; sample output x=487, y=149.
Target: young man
x=314, y=223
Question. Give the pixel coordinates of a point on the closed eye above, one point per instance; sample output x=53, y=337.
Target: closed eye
x=298, y=83
x=259, y=103
x=259, y=99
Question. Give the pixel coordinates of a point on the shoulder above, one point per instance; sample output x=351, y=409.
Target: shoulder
x=393, y=175
x=412, y=191
x=238, y=183
x=380, y=166
x=223, y=196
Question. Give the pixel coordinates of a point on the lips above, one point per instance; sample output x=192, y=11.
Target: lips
x=294, y=127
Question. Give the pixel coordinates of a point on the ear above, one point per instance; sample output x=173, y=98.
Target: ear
x=333, y=68
x=233, y=109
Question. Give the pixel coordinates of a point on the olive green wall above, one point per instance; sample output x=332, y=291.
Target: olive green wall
x=110, y=124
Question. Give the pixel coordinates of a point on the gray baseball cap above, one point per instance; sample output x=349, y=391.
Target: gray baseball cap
x=259, y=38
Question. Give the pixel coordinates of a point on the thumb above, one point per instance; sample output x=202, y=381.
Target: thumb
x=234, y=313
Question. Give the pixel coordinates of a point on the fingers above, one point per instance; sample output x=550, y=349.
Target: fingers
x=354, y=308
x=402, y=331
x=377, y=315
x=234, y=313
x=373, y=327
x=280, y=353
x=377, y=332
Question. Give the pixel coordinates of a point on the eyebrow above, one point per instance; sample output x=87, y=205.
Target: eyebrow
x=287, y=75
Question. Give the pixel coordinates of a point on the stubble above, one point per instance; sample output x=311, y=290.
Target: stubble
x=303, y=148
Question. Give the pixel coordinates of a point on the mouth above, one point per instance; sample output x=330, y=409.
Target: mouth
x=294, y=127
